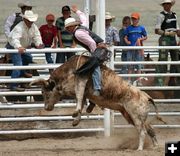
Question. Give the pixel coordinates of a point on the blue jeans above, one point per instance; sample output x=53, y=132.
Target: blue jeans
x=62, y=57
x=124, y=58
x=48, y=56
x=96, y=77
x=19, y=60
x=134, y=55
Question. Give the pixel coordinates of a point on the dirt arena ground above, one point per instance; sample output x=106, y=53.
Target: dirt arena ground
x=122, y=143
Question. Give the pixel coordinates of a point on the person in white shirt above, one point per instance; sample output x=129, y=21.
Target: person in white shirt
x=21, y=37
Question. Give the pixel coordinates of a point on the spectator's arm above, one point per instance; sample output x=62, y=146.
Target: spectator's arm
x=54, y=44
x=73, y=44
x=14, y=38
x=55, y=39
x=116, y=37
x=159, y=32
x=126, y=40
x=8, y=23
x=60, y=39
x=159, y=21
x=37, y=37
x=178, y=33
x=81, y=15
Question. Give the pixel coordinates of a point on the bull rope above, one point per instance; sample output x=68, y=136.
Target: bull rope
x=78, y=62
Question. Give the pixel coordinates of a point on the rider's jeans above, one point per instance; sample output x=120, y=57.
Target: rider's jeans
x=96, y=77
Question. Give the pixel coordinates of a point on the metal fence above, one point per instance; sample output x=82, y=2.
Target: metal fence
x=107, y=113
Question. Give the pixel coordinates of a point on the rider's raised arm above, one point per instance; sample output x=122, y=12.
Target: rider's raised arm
x=83, y=19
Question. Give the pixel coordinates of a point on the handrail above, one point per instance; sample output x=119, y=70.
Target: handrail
x=44, y=50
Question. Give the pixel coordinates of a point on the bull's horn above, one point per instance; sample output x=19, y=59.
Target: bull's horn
x=39, y=82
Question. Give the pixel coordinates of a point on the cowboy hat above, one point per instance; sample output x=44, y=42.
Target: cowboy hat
x=71, y=22
x=30, y=16
x=109, y=16
x=25, y=4
x=168, y=1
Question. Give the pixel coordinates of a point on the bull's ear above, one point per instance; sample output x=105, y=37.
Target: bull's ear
x=39, y=82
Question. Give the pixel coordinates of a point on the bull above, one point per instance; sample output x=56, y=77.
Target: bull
x=116, y=94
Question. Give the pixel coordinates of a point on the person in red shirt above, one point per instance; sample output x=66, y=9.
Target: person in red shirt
x=49, y=35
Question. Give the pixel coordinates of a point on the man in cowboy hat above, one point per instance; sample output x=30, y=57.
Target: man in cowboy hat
x=15, y=18
x=112, y=36
x=89, y=40
x=167, y=27
x=21, y=38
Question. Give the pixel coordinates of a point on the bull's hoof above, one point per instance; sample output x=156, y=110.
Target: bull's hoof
x=75, y=114
x=90, y=108
x=140, y=149
x=75, y=122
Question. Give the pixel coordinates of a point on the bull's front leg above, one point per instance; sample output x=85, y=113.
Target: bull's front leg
x=80, y=85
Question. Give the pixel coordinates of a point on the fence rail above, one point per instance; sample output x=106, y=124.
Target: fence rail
x=106, y=117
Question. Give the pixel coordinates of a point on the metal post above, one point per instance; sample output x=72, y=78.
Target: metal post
x=87, y=9
x=100, y=30
x=100, y=18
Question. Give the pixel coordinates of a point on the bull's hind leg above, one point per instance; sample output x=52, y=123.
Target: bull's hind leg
x=80, y=84
x=142, y=133
x=151, y=133
x=139, y=124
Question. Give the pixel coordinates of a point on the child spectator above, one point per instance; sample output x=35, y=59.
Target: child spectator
x=135, y=34
x=126, y=21
x=49, y=35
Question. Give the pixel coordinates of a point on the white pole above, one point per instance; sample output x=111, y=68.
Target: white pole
x=100, y=18
x=87, y=9
x=100, y=28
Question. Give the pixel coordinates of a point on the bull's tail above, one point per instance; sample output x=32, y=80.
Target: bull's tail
x=157, y=113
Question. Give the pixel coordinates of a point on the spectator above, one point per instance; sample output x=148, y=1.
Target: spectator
x=83, y=36
x=126, y=21
x=135, y=34
x=167, y=27
x=112, y=37
x=49, y=35
x=21, y=37
x=65, y=38
x=15, y=18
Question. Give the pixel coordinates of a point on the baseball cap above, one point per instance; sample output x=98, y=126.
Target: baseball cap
x=66, y=8
x=135, y=15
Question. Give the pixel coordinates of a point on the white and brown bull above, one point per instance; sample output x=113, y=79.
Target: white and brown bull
x=116, y=94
